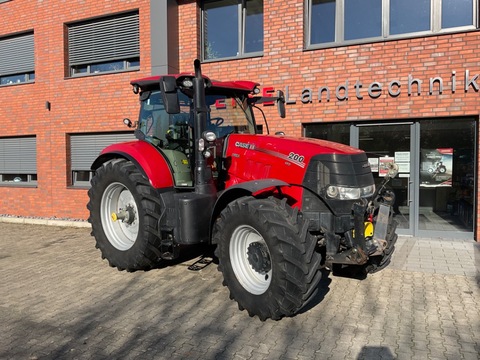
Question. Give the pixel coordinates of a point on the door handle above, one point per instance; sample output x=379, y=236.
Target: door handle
x=408, y=191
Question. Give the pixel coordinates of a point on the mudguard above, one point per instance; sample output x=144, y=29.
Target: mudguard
x=144, y=155
x=243, y=189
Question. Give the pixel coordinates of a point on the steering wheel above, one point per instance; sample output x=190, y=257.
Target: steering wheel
x=217, y=121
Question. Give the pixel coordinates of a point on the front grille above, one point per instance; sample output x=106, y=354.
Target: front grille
x=335, y=169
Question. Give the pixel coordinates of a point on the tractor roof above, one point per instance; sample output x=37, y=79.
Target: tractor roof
x=152, y=82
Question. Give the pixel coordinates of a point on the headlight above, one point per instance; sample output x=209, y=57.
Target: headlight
x=187, y=82
x=368, y=190
x=347, y=193
x=209, y=136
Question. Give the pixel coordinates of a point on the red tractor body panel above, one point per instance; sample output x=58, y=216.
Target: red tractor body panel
x=255, y=157
x=149, y=160
x=242, y=85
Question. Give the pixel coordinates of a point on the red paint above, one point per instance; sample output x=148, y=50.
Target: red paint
x=254, y=157
x=148, y=158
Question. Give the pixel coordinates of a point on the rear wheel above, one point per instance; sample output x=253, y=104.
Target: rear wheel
x=124, y=215
x=267, y=257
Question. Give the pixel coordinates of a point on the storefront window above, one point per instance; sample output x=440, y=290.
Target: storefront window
x=436, y=184
x=447, y=173
x=339, y=132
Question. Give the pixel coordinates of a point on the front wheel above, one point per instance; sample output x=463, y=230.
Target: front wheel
x=267, y=257
x=124, y=216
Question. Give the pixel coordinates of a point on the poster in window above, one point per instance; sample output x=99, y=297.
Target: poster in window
x=384, y=165
x=402, y=159
x=436, y=167
x=373, y=164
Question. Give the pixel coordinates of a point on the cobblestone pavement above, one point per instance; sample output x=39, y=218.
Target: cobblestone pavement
x=59, y=300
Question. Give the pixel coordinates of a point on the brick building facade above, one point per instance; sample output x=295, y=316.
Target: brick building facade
x=412, y=83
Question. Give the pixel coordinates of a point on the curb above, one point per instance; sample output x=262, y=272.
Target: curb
x=48, y=222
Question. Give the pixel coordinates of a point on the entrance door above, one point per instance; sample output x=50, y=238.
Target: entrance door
x=446, y=177
x=435, y=188
x=386, y=143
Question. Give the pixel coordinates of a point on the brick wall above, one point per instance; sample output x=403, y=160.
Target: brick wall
x=87, y=104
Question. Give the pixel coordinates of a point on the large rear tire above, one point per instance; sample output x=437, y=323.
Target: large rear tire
x=130, y=243
x=267, y=257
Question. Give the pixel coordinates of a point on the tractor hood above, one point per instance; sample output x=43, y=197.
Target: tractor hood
x=280, y=157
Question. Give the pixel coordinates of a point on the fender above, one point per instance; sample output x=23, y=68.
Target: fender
x=144, y=155
x=243, y=189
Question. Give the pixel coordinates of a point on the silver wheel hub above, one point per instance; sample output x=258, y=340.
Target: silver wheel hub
x=121, y=230
x=250, y=259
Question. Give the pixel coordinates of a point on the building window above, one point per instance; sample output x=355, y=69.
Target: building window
x=232, y=28
x=362, y=19
x=457, y=13
x=403, y=20
x=17, y=60
x=337, y=132
x=18, y=161
x=104, y=45
x=333, y=22
x=85, y=148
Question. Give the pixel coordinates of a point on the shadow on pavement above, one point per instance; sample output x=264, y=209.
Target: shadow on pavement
x=375, y=352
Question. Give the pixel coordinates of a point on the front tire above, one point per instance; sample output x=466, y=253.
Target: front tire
x=130, y=243
x=380, y=262
x=267, y=257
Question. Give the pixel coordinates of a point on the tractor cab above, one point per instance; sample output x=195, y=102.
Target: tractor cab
x=228, y=111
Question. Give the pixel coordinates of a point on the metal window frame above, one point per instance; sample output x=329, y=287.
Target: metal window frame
x=18, y=157
x=435, y=25
x=17, y=55
x=85, y=38
x=81, y=183
x=126, y=67
x=241, y=28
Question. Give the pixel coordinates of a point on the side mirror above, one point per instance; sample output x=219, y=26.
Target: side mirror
x=168, y=90
x=281, y=104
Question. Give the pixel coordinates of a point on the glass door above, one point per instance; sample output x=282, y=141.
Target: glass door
x=446, y=184
x=385, y=143
x=435, y=189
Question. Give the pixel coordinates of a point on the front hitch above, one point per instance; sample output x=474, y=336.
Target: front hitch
x=356, y=254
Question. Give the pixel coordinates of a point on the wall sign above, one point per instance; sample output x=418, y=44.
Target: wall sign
x=396, y=87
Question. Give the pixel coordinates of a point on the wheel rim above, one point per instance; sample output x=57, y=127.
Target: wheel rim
x=121, y=234
x=254, y=278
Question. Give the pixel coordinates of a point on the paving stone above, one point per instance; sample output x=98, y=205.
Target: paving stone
x=60, y=300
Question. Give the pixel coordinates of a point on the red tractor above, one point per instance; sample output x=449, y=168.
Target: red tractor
x=278, y=208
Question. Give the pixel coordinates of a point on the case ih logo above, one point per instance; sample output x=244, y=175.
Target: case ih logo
x=245, y=145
